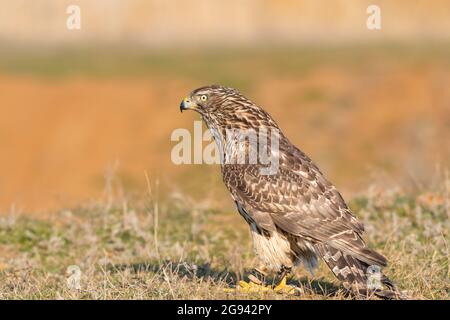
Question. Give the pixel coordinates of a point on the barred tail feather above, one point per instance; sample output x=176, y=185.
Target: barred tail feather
x=352, y=272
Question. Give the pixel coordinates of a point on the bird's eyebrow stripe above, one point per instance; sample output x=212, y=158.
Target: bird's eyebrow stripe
x=208, y=89
x=200, y=91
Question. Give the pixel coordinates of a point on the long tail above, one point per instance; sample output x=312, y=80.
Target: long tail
x=358, y=276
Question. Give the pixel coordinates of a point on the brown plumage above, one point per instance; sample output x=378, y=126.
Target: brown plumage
x=295, y=214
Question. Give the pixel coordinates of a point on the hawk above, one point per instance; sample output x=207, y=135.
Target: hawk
x=295, y=214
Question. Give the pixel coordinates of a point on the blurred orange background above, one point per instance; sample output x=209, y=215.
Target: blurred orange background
x=80, y=106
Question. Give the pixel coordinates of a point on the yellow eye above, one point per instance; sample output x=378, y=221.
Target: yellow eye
x=203, y=97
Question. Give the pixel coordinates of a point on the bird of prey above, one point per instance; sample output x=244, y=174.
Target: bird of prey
x=295, y=214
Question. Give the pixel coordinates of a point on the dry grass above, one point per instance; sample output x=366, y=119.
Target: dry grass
x=127, y=248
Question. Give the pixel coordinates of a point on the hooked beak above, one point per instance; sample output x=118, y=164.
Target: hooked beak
x=187, y=104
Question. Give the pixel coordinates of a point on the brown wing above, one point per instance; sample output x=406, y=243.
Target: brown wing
x=300, y=201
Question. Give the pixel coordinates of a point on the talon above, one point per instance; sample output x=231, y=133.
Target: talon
x=244, y=284
x=252, y=287
x=256, y=284
x=282, y=287
x=248, y=287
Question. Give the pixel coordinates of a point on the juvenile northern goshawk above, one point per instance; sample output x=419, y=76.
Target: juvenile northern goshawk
x=294, y=214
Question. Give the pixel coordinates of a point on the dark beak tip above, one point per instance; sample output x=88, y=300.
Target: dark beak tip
x=182, y=107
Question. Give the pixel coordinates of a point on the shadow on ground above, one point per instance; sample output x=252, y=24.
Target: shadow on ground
x=204, y=271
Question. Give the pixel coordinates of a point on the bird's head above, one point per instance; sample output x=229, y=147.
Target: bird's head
x=225, y=106
x=208, y=100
